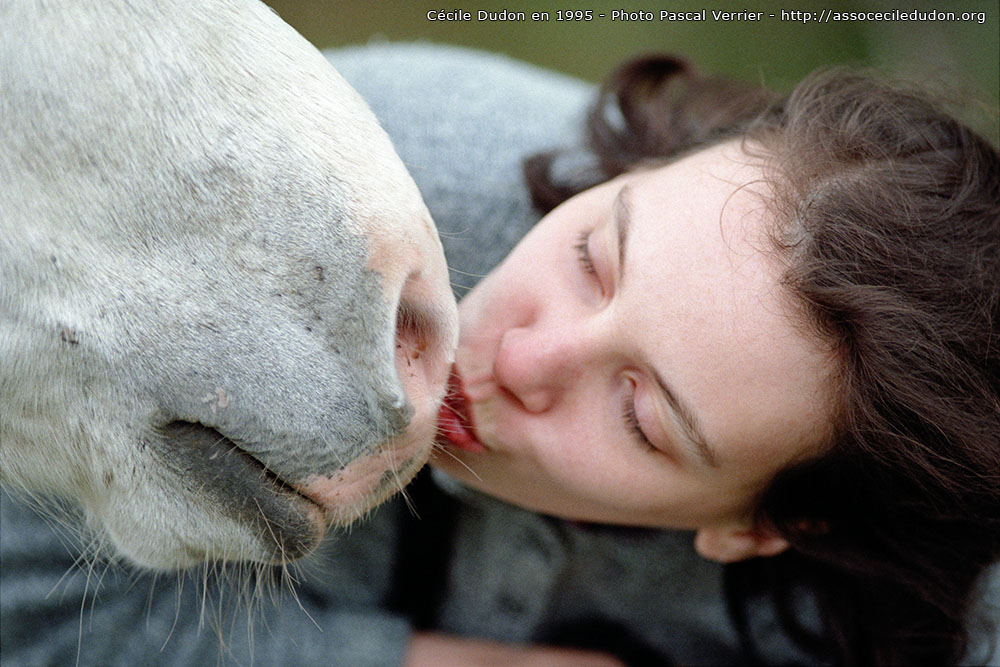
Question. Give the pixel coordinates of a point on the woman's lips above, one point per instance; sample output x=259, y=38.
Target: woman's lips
x=454, y=419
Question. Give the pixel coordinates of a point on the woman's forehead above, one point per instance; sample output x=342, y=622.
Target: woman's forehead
x=708, y=300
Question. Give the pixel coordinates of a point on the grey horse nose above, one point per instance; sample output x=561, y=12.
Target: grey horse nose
x=426, y=334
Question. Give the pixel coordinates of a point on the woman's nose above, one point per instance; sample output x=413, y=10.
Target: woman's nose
x=536, y=364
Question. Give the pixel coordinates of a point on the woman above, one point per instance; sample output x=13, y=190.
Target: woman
x=666, y=351
x=776, y=325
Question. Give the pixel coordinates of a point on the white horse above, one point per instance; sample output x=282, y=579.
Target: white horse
x=225, y=319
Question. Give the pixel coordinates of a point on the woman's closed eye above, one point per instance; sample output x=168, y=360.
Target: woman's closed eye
x=632, y=421
x=582, y=248
x=591, y=266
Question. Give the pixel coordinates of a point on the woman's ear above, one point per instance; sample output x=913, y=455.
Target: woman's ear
x=734, y=543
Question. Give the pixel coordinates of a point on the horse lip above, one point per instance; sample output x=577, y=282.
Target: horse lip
x=245, y=489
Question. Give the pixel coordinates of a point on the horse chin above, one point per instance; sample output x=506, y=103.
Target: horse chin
x=213, y=501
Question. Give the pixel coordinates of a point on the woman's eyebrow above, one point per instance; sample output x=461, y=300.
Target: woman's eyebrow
x=689, y=423
x=622, y=217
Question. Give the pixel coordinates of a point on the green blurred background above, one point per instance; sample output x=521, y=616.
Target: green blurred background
x=962, y=56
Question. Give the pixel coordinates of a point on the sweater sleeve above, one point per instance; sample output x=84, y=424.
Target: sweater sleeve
x=57, y=608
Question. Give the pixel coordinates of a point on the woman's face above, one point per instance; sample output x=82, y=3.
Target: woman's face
x=634, y=360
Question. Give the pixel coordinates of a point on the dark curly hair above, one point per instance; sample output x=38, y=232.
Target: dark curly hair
x=887, y=211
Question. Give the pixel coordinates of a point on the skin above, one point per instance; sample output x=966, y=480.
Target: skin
x=549, y=352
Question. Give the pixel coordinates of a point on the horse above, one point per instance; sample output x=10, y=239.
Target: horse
x=225, y=317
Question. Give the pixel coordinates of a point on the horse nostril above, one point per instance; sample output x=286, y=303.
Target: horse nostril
x=419, y=318
x=425, y=324
x=412, y=332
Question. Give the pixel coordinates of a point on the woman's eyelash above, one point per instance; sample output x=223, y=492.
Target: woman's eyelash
x=632, y=421
x=582, y=248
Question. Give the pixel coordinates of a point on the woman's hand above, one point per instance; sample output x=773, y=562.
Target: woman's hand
x=439, y=650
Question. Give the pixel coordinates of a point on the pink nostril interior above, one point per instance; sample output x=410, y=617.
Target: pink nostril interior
x=412, y=332
x=426, y=334
x=422, y=359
